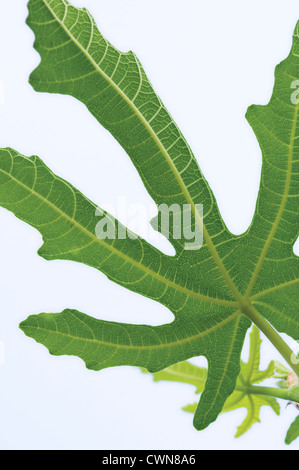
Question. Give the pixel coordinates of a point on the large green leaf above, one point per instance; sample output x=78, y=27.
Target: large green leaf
x=67, y=222
x=77, y=60
x=211, y=291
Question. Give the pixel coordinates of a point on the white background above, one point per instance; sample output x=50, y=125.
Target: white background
x=208, y=61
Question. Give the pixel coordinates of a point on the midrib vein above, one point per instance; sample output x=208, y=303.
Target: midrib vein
x=274, y=288
x=281, y=208
x=122, y=255
x=238, y=296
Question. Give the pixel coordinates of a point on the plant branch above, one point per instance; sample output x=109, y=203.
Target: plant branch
x=273, y=336
x=289, y=394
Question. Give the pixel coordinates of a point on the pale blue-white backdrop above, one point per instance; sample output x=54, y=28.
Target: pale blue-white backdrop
x=208, y=61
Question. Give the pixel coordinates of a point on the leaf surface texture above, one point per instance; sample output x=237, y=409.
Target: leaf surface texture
x=210, y=291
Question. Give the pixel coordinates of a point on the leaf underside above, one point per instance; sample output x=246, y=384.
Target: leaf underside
x=205, y=289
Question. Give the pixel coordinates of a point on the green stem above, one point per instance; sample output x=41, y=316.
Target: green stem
x=289, y=394
x=273, y=336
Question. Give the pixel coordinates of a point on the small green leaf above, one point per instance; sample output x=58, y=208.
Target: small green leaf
x=184, y=372
x=241, y=398
x=250, y=372
x=253, y=404
x=293, y=432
